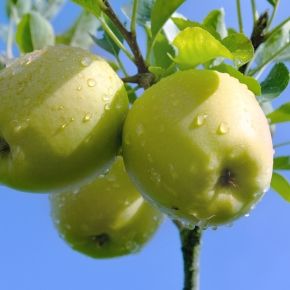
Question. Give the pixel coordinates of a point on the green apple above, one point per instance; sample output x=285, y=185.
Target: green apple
x=198, y=145
x=106, y=218
x=61, y=115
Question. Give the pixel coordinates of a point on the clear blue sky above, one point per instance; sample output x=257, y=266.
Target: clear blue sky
x=253, y=254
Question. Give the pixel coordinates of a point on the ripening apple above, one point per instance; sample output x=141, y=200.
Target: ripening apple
x=106, y=218
x=198, y=145
x=61, y=115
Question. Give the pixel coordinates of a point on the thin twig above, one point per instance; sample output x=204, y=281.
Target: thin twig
x=129, y=37
x=281, y=144
x=240, y=19
x=273, y=14
x=134, y=17
x=254, y=11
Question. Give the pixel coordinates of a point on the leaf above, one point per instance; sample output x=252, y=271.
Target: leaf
x=34, y=32
x=215, y=21
x=79, y=35
x=131, y=94
x=275, y=48
x=240, y=46
x=20, y=8
x=49, y=8
x=105, y=41
x=93, y=6
x=280, y=115
x=281, y=185
x=273, y=2
x=252, y=84
x=196, y=46
x=182, y=23
x=143, y=12
x=161, y=50
x=282, y=163
x=161, y=12
x=275, y=83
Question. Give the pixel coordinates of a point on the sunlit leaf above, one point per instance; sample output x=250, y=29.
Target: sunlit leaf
x=48, y=8
x=275, y=48
x=275, y=83
x=143, y=12
x=215, y=21
x=93, y=6
x=281, y=185
x=34, y=32
x=79, y=34
x=196, y=46
x=280, y=115
x=240, y=46
x=282, y=163
x=161, y=12
x=252, y=84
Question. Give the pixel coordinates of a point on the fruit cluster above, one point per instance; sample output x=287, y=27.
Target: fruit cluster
x=196, y=145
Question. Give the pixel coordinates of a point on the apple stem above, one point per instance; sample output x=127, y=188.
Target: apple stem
x=190, y=247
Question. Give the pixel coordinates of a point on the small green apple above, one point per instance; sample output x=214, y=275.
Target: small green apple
x=61, y=115
x=106, y=218
x=198, y=145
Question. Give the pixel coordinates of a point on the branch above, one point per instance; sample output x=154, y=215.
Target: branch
x=190, y=246
x=145, y=80
x=129, y=36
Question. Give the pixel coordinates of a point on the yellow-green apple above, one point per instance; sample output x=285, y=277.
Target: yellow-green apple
x=198, y=145
x=106, y=218
x=61, y=114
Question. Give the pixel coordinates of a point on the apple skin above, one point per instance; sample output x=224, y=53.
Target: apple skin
x=61, y=115
x=198, y=146
x=107, y=218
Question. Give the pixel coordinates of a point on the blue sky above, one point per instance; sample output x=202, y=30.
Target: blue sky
x=252, y=254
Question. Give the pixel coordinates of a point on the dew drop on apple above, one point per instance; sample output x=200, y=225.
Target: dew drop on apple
x=87, y=117
x=91, y=82
x=107, y=107
x=86, y=61
x=79, y=88
x=223, y=128
x=139, y=129
x=199, y=120
x=106, y=98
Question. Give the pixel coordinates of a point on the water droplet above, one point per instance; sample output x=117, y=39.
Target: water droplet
x=91, y=82
x=61, y=107
x=139, y=129
x=87, y=117
x=198, y=121
x=149, y=157
x=172, y=171
x=106, y=98
x=107, y=107
x=155, y=176
x=86, y=61
x=79, y=88
x=223, y=128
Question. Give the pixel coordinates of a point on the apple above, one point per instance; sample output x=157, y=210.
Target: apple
x=198, y=146
x=61, y=115
x=106, y=218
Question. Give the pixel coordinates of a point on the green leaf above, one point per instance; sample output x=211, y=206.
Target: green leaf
x=215, y=21
x=282, y=163
x=240, y=46
x=34, y=32
x=162, y=48
x=197, y=46
x=19, y=8
x=79, y=35
x=93, y=6
x=280, y=115
x=275, y=48
x=281, y=185
x=143, y=13
x=49, y=8
x=161, y=12
x=273, y=2
x=182, y=23
x=252, y=84
x=131, y=93
x=275, y=83
x=106, y=42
